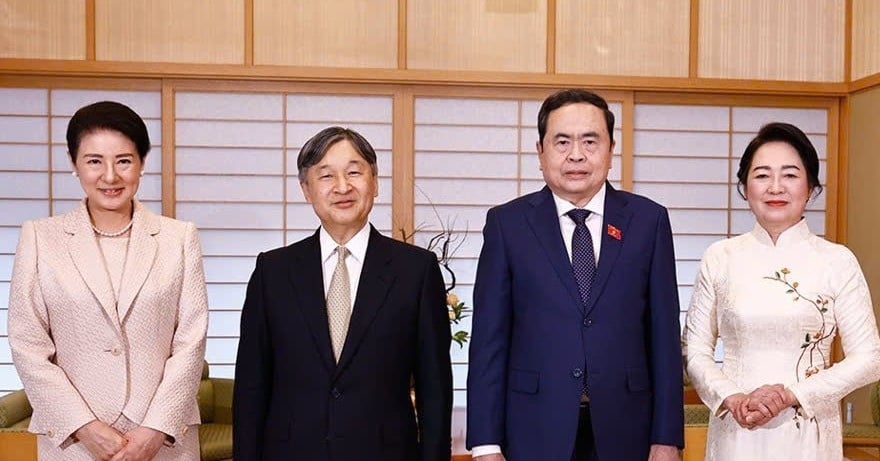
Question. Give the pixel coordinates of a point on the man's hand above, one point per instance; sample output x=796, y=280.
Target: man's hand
x=143, y=444
x=492, y=457
x=101, y=440
x=663, y=453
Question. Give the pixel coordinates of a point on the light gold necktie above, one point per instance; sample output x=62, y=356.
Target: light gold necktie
x=339, y=302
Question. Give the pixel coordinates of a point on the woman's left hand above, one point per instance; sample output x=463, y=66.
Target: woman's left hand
x=143, y=444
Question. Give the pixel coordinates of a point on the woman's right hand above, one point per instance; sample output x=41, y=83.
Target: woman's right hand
x=101, y=440
x=738, y=406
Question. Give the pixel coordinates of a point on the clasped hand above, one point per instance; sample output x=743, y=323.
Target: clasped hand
x=107, y=444
x=759, y=406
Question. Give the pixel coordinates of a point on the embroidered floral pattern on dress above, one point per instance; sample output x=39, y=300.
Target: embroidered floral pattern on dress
x=811, y=340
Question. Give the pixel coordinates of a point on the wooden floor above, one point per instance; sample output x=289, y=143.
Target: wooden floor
x=862, y=454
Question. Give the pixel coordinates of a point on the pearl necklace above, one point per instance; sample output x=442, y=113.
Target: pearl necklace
x=113, y=234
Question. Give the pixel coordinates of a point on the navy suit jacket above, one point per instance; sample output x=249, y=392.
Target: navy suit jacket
x=533, y=338
x=293, y=401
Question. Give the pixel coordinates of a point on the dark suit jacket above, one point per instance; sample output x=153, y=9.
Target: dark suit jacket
x=292, y=402
x=533, y=339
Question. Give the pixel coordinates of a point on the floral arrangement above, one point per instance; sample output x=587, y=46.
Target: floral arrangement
x=444, y=244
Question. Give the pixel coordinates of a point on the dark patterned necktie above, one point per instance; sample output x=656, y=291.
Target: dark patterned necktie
x=583, y=259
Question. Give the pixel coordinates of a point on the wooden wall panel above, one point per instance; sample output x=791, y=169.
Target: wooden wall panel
x=341, y=33
x=863, y=186
x=43, y=30
x=623, y=37
x=800, y=40
x=486, y=35
x=194, y=31
x=865, y=38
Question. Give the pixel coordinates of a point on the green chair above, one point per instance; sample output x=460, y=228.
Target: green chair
x=865, y=435
x=215, y=406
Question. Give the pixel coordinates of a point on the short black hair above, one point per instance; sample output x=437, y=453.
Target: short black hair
x=107, y=115
x=794, y=137
x=573, y=96
x=317, y=146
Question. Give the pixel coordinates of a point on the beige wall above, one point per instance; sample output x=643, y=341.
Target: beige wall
x=863, y=218
x=865, y=38
x=789, y=40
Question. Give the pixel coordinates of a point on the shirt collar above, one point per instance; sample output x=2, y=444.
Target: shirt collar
x=595, y=206
x=357, y=246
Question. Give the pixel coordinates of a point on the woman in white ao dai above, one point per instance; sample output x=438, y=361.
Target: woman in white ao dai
x=777, y=297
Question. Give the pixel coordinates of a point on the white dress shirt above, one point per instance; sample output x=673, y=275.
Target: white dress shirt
x=596, y=206
x=357, y=249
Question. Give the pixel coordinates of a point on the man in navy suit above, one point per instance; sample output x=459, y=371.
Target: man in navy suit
x=575, y=353
x=335, y=327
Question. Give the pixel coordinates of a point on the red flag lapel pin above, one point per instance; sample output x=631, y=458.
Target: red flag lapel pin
x=614, y=232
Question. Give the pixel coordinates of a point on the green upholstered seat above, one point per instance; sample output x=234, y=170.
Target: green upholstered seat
x=696, y=415
x=865, y=435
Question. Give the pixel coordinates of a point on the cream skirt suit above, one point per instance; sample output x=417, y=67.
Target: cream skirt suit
x=85, y=352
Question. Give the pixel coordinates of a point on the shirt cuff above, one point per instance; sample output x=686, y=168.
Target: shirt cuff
x=483, y=450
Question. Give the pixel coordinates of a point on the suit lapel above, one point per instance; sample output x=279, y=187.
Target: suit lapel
x=86, y=255
x=617, y=216
x=142, y=249
x=307, y=279
x=545, y=224
x=375, y=281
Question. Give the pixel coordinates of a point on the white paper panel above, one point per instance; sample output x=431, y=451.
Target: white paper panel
x=6, y=266
x=8, y=239
x=16, y=212
x=689, y=118
x=24, y=185
x=684, y=144
x=229, y=134
x=467, y=191
x=232, y=215
x=229, y=106
x=466, y=111
x=680, y=170
x=227, y=269
x=9, y=380
x=752, y=118
x=230, y=188
x=29, y=157
x=239, y=242
x=698, y=221
x=23, y=129
x=471, y=217
x=229, y=161
x=466, y=139
x=224, y=323
x=228, y=296
x=343, y=109
x=692, y=247
x=466, y=245
x=681, y=196
x=4, y=294
x=4, y=327
x=221, y=350
x=465, y=165
x=24, y=101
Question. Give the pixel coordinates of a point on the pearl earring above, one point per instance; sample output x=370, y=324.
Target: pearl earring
x=142, y=173
x=73, y=173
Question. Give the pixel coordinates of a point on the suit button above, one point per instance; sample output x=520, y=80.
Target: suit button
x=335, y=393
x=50, y=434
x=588, y=322
x=577, y=373
x=116, y=350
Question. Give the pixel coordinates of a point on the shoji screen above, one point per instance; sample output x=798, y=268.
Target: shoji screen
x=35, y=179
x=237, y=180
x=686, y=158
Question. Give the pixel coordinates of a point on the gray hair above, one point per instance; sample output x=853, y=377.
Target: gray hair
x=317, y=146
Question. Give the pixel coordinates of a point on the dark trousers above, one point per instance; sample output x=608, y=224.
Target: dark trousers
x=584, y=444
